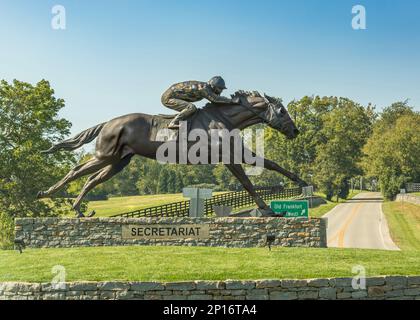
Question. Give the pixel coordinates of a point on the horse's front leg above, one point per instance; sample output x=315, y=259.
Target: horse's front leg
x=239, y=173
x=271, y=165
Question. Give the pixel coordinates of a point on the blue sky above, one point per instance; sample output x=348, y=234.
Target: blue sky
x=117, y=57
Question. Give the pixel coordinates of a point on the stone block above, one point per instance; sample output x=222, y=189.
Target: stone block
x=257, y=297
x=413, y=280
x=245, y=285
x=113, y=286
x=344, y=295
x=412, y=292
x=328, y=293
x=307, y=295
x=283, y=295
x=83, y=286
x=208, y=285
x=268, y=284
x=182, y=286
x=317, y=283
x=200, y=297
x=294, y=283
x=359, y=294
x=342, y=282
x=396, y=281
x=376, y=291
x=146, y=286
x=375, y=281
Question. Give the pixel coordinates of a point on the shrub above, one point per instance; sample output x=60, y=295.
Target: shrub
x=7, y=227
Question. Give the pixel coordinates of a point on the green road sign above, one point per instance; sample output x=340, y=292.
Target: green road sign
x=291, y=208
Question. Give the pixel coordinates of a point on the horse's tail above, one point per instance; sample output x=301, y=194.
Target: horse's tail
x=78, y=140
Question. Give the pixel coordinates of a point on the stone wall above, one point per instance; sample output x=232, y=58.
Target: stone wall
x=389, y=287
x=226, y=232
x=408, y=198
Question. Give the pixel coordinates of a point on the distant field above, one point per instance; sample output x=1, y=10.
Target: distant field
x=404, y=224
x=116, y=205
x=148, y=263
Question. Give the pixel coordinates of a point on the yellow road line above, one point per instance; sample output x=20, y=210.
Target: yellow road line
x=340, y=234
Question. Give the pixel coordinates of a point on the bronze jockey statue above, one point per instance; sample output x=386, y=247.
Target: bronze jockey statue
x=180, y=97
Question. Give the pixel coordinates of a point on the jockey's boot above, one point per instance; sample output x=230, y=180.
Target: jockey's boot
x=184, y=114
x=174, y=124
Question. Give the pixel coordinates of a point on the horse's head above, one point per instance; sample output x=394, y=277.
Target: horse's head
x=271, y=111
x=279, y=118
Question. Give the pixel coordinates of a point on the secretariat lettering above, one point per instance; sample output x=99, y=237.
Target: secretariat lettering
x=165, y=231
x=162, y=232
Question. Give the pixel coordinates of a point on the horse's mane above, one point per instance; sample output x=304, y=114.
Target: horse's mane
x=238, y=94
x=242, y=93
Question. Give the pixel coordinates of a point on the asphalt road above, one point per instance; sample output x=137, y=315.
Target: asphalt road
x=359, y=223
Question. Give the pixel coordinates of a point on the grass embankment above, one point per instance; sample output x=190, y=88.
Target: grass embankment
x=322, y=209
x=404, y=224
x=148, y=263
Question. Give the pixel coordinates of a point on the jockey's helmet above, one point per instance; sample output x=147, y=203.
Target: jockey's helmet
x=217, y=83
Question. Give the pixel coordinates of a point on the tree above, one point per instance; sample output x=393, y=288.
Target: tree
x=29, y=123
x=325, y=153
x=298, y=155
x=163, y=181
x=393, y=151
x=345, y=130
x=179, y=184
x=171, y=181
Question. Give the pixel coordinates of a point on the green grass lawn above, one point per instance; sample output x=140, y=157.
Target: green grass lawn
x=322, y=209
x=404, y=224
x=148, y=263
x=116, y=205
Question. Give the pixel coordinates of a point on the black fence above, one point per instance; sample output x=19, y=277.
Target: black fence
x=413, y=187
x=236, y=199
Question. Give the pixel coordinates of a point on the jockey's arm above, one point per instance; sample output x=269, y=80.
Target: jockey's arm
x=212, y=97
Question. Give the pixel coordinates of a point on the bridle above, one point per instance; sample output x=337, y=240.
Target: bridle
x=247, y=105
x=273, y=122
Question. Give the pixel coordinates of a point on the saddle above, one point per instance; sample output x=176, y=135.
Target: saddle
x=160, y=130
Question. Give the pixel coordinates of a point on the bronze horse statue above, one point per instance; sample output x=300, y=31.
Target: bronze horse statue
x=119, y=139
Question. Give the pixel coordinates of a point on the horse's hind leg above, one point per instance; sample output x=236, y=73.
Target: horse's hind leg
x=98, y=178
x=78, y=171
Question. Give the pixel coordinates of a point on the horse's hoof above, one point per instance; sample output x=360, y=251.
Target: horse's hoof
x=90, y=215
x=267, y=212
x=258, y=212
x=40, y=194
